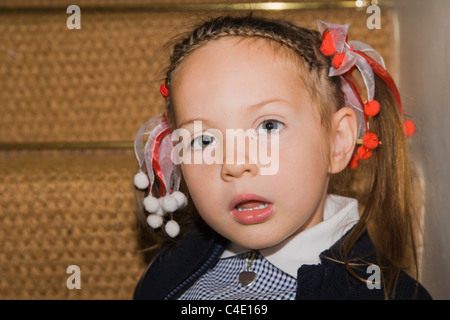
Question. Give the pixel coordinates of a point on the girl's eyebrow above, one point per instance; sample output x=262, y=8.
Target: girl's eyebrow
x=185, y=123
x=263, y=103
x=251, y=108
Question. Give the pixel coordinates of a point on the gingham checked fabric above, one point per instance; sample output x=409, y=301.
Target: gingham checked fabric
x=222, y=282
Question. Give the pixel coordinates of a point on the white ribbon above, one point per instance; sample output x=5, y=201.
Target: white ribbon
x=144, y=148
x=351, y=59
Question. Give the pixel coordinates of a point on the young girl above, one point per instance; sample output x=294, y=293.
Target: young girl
x=294, y=232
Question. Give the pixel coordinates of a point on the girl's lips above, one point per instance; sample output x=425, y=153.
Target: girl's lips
x=250, y=216
x=245, y=197
x=253, y=216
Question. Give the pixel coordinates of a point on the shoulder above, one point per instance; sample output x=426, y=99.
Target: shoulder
x=408, y=288
x=174, y=265
x=332, y=279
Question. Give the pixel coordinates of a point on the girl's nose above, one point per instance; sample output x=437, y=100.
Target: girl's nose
x=237, y=165
x=233, y=170
x=239, y=156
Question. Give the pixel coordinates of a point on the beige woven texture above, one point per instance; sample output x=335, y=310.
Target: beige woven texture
x=86, y=3
x=100, y=83
x=67, y=208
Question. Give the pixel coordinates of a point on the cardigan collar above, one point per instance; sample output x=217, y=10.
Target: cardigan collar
x=340, y=215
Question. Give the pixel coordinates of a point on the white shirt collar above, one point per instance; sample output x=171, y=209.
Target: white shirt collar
x=340, y=214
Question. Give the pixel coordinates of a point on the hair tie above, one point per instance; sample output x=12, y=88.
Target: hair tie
x=164, y=91
x=155, y=153
x=346, y=56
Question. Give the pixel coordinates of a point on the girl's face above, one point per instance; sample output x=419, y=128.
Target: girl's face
x=238, y=84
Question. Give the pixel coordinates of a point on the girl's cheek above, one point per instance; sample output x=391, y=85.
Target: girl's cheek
x=195, y=174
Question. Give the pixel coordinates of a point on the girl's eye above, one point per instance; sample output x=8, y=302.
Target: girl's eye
x=203, y=141
x=270, y=126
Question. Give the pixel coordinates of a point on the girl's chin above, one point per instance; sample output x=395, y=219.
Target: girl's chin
x=256, y=240
x=254, y=236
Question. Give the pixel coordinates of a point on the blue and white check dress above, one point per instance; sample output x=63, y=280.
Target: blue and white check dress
x=222, y=282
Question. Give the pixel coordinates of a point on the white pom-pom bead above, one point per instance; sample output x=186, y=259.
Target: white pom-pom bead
x=141, y=180
x=172, y=228
x=154, y=221
x=160, y=211
x=169, y=204
x=180, y=198
x=151, y=204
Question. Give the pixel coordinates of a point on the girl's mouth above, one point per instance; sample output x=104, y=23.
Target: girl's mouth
x=250, y=206
x=251, y=209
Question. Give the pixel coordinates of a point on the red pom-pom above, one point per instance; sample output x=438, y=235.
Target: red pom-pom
x=370, y=140
x=364, y=152
x=371, y=108
x=339, y=59
x=328, y=48
x=164, y=91
x=354, y=161
x=409, y=128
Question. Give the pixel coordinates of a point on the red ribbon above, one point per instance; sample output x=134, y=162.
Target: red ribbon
x=155, y=159
x=351, y=82
x=383, y=74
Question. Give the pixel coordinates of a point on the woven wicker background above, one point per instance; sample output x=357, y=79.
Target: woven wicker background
x=65, y=208
x=58, y=3
x=100, y=83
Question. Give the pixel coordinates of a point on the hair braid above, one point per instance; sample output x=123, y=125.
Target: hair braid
x=284, y=33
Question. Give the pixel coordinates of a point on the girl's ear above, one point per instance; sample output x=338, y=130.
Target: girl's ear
x=343, y=139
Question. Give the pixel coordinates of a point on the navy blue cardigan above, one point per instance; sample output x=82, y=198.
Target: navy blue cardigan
x=174, y=270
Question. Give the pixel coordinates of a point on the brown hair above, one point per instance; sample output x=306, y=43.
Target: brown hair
x=381, y=184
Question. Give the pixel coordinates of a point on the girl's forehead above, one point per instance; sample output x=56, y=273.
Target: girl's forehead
x=229, y=76
x=232, y=68
x=233, y=62
x=235, y=50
